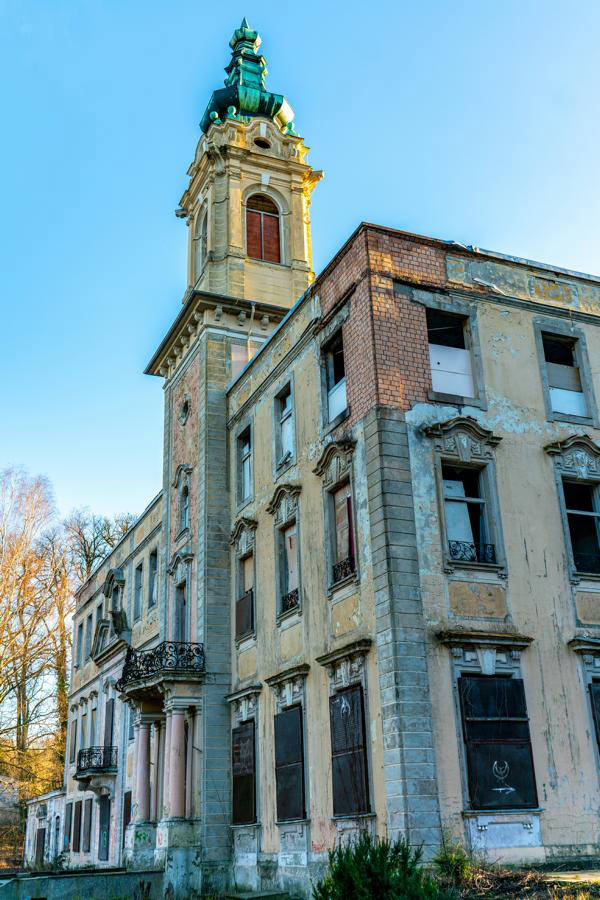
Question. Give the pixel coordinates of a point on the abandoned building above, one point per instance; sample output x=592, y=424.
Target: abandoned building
x=368, y=593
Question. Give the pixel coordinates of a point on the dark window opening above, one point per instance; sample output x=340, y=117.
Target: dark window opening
x=465, y=512
x=558, y=350
x=244, y=774
x=68, y=821
x=344, y=563
x=87, y=826
x=564, y=380
x=73, y=741
x=152, y=579
x=445, y=329
x=184, y=508
x=581, y=502
x=497, y=741
x=77, y=827
x=285, y=441
x=244, y=607
x=289, y=764
x=104, y=829
x=349, y=755
x=126, y=812
x=336, y=376
x=262, y=229
x=137, y=595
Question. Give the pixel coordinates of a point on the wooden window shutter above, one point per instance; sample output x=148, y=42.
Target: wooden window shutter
x=77, y=827
x=253, y=234
x=104, y=829
x=87, y=825
x=108, y=722
x=244, y=614
x=349, y=758
x=68, y=822
x=289, y=764
x=244, y=774
x=271, y=249
x=126, y=812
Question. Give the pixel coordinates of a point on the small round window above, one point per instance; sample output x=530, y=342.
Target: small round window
x=260, y=142
x=184, y=411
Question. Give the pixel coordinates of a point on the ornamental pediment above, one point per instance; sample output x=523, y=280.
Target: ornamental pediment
x=242, y=534
x=462, y=437
x=114, y=579
x=576, y=455
x=335, y=462
x=284, y=502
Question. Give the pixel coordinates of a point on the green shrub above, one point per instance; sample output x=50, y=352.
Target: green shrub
x=453, y=863
x=377, y=869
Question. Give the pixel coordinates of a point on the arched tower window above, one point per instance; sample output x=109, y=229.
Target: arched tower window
x=184, y=508
x=262, y=229
x=200, y=244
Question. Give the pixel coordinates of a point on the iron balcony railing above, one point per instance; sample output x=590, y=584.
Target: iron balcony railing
x=290, y=601
x=170, y=657
x=463, y=551
x=587, y=562
x=343, y=569
x=97, y=759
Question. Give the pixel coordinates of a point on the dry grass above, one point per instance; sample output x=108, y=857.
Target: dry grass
x=500, y=884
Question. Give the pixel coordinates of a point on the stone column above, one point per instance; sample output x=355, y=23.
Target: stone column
x=142, y=787
x=177, y=764
x=166, y=792
x=154, y=770
x=189, y=763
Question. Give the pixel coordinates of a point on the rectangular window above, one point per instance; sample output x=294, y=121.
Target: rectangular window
x=564, y=379
x=244, y=607
x=99, y=611
x=104, y=829
x=126, y=812
x=84, y=727
x=344, y=563
x=137, y=593
x=349, y=754
x=68, y=821
x=130, y=728
x=79, y=644
x=153, y=568
x=73, y=741
x=244, y=446
x=89, y=625
x=109, y=713
x=288, y=563
x=180, y=629
x=244, y=774
x=467, y=530
x=582, y=504
x=87, y=826
x=289, y=764
x=336, y=377
x=498, y=746
x=449, y=354
x=285, y=424
x=77, y=827
x=92, y=741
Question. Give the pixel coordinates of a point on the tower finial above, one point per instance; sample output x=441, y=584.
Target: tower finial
x=244, y=23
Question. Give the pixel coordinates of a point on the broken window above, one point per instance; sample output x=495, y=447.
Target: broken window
x=137, y=593
x=288, y=566
x=285, y=425
x=244, y=607
x=336, y=376
x=344, y=563
x=449, y=354
x=497, y=741
x=152, y=579
x=564, y=380
x=244, y=774
x=244, y=446
x=348, y=750
x=289, y=764
x=583, y=514
x=262, y=229
x=465, y=514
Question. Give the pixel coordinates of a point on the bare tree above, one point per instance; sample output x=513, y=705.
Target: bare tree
x=91, y=537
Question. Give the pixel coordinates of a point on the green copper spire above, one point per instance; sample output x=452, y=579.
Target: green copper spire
x=245, y=95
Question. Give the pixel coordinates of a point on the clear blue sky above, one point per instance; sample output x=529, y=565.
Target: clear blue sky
x=476, y=121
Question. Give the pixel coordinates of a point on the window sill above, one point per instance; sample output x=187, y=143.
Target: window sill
x=512, y=811
x=574, y=420
x=576, y=577
x=268, y=262
x=349, y=817
x=464, y=566
x=283, y=465
x=288, y=614
x=247, y=639
x=341, y=417
x=456, y=399
x=293, y=822
x=244, y=825
x=342, y=583
x=242, y=504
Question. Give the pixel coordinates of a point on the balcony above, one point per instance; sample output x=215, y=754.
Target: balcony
x=96, y=761
x=463, y=551
x=343, y=569
x=177, y=659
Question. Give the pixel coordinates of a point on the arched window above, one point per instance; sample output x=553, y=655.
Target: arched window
x=200, y=244
x=262, y=229
x=184, y=508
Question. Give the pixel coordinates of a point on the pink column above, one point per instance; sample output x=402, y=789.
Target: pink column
x=166, y=793
x=177, y=764
x=154, y=771
x=142, y=787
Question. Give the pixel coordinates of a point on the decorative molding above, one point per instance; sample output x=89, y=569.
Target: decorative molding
x=462, y=438
x=499, y=640
x=335, y=461
x=182, y=473
x=243, y=534
x=576, y=455
x=115, y=578
x=585, y=645
x=245, y=702
x=284, y=503
x=184, y=407
x=345, y=666
x=178, y=561
x=288, y=686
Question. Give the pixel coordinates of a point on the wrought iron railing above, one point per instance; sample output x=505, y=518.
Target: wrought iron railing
x=343, y=569
x=464, y=551
x=290, y=600
x=97, y=759
x=587, y=562
x=177, y=657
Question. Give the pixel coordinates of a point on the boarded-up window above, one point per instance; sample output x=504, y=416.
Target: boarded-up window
x=77, y=827
x=343, y=538
x=126, y=812
x=244, y=774
x=68, y=822
x=349, y=756
x=262, y=229
x=289, y=764
x=87, y=826
x=496, y=732
x=104, y=829
x=73, y=741
x=564, y=381
x=109, y=712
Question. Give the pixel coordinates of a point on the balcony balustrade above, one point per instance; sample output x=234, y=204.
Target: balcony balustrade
x=290, y=601
x=93, y=760
x=464, y=551
x=169, y=658
x=343, y=569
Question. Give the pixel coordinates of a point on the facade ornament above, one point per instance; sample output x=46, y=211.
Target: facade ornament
x=346, y=665
x=460, y=638
x=463, y=438
x=577, y=455
x=243, y=535
x=284, y=502
x=335, y=461
x=245, y=702
x=288, y=686
x=179, y=561
x=182, y=474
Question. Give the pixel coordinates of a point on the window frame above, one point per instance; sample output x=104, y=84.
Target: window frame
x=89, y=635
x=326, y=367
x=241, y=726
x=245, y=430
x=281, y=461
x=565, y=511
x=281, y=567
x=240, y=593
x=282, y=711
x=566, y=329
x=138, y=591
x=73, y=740
x=260, y=191
x=152, y=578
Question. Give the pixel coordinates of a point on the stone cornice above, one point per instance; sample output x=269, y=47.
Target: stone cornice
x=356, y=648
x=584, y=645
x=252, y=690
x=581, y=441
x=299, y=671
x=459, y=637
